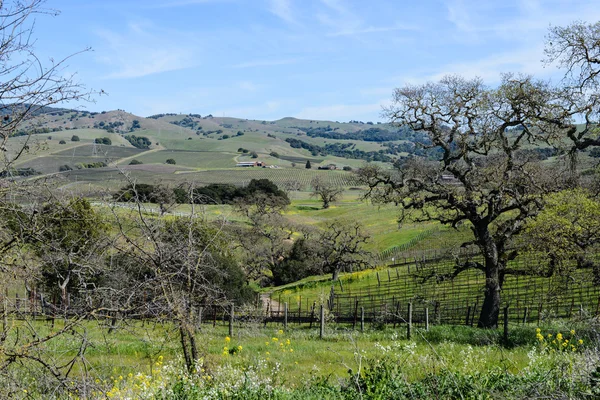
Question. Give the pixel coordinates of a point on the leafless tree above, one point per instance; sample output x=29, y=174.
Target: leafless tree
x=175, y=266
x=340, y=247
x=27, y=83
x=325, y=191
x=483, y=176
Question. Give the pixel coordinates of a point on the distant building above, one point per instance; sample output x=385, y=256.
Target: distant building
x=251, y=164
x=329, y=166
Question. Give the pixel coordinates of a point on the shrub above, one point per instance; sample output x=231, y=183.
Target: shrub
x=74, y=138
x=62, y=142
x=171, y=161
x=103, y=140
x=135, y=162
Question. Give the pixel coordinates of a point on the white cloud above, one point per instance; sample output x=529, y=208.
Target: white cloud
x=282, y=9
x=261, y=111
x=371, y=29
x=140, y=52
x=248, y=86
x=183, y=3
x=341, y=112
x=265, y=63
x=527, y=61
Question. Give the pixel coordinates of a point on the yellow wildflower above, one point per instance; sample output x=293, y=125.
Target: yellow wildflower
x=580, y=341
x=227, y=339
x=559, y=336
x=280, y=332
x=572, y=332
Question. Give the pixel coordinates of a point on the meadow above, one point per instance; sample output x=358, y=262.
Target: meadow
x=142, y=360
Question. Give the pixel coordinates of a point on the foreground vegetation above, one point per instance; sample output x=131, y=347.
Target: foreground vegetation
x=257, y=362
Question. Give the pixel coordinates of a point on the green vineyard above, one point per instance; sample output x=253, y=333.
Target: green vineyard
x=281, y=177
x=425, y=282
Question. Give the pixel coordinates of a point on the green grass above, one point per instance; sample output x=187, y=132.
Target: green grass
x=192, y=159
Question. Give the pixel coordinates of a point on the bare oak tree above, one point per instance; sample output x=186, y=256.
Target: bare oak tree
x=483, y=177
x=325, y=191
x=27, y=83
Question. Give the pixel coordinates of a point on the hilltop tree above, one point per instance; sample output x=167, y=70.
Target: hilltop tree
x=308, y=166
x=483, y=177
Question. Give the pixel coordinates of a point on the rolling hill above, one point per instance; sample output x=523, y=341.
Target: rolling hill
x=205, y=149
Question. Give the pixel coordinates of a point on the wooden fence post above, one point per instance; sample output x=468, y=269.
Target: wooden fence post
x=468, y=315
x=285, y=316
x=322, y=328
x=409, y=324
x=427, y=319
x=378, y=279
x=525, y=315
x=312, y=314
x=355, y=313
x=362, y=319
x=505, y=325
x=231, y=320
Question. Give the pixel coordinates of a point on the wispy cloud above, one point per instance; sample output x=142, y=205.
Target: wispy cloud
x=266, y=63
x=372, y=29
x=183, y=3
x=142, y=50
x=337, y=16
x=527, y=61
x=248, y=86
x=260, y=111
x=342, y=112
x=282, y=9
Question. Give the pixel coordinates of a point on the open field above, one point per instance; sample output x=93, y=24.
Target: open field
x=142, y=360
x=191, y=159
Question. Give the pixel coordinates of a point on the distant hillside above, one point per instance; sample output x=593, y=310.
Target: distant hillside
x=95, y=148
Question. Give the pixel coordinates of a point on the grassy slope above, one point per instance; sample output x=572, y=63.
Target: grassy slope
x=262, y=137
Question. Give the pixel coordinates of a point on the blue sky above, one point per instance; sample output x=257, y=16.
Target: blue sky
x=315, y=59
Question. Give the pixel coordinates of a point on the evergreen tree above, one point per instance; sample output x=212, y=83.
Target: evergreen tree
x=308, y=166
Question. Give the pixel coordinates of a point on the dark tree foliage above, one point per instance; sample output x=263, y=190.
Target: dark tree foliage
x=104, y=140
x=141, y=142
x=299, y=263
x=346, y=150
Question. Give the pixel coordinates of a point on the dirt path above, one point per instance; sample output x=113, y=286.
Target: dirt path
x=269, y=304
x=125, y=159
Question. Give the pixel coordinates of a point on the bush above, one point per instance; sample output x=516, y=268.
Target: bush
x=135, y=162
x=103, y=140
x=62, y=142
x=171, y=161
x=347, y=168
x=74, y=138
x=64, y=168
x=141, y=142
